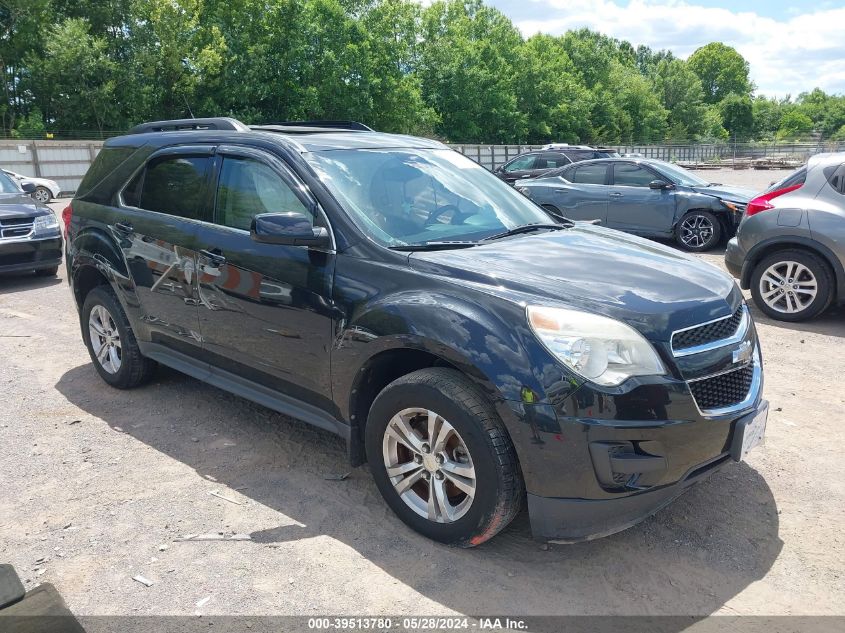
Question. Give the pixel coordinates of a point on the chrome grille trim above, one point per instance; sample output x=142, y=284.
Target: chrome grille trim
x=751, y=396
x=735, y=338
x=16, y=228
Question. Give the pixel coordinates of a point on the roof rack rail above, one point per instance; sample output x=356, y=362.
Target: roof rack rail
x=177, y=125
x=306, y=127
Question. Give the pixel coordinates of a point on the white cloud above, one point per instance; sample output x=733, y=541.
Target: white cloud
x=787, y=56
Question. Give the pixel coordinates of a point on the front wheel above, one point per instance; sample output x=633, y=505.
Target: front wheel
x=698, y=231
x=47, y=272
x=42, y=194
x=442, y=459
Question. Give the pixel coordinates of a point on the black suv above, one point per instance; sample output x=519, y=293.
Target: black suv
x=391, y=290
x=552, y=156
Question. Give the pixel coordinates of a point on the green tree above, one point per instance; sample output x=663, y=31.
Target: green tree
x=722, y=71
x=737, y=116
x=551, y=96
x=635, y=96
x=680, y=92
x=74, y=81
x=766, y=113
x=468, y=70
x=794, y=125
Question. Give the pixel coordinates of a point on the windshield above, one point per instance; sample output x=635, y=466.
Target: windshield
x=413, y=196
x=679, y=175
x=7, y=185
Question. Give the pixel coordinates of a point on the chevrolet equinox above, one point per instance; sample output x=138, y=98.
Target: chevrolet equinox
x=476, y=353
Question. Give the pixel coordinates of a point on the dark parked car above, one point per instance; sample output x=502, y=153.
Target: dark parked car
x=790, y=246
x=642, y=196
x=551, y=157
x=394, y=292
x=30, y=238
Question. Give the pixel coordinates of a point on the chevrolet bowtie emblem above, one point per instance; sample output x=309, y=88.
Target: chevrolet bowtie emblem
x=742, y=354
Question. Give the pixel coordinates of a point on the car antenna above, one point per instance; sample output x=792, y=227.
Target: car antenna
x=187, y=105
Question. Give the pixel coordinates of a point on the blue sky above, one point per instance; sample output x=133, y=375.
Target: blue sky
x=792, y=46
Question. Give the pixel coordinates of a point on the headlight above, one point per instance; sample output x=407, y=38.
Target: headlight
x=602, y=350
x=734, y=206
x=46, y=224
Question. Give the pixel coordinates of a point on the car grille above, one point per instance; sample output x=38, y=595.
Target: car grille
x=15, y=227
x=707, y=333
x=723, y=390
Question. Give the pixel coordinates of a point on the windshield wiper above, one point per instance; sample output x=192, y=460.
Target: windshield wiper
x=432, y=246
x=528, y=228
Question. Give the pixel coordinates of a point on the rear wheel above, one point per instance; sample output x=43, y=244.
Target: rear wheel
x=442, y=459
x=792, y=285
x=698, y=231
x=111, y=342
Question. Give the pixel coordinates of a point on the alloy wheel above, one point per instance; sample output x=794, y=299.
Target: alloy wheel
x=41, y=195
x=105, y=339
x=696, y=231
x=429, y=465
x=788, y=287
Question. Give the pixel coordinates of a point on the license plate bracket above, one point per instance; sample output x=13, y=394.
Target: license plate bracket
x=750, y=431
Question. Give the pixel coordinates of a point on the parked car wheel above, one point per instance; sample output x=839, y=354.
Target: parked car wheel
x=47, y=272
x=42, y=194
x=111, y=342
x=442, y=459
x=792, y=285
x=698, y=231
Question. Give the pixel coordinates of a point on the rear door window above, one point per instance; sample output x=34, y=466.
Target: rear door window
x=551, y=160
x=588, y=175
x=630, y=175
x=174, y=185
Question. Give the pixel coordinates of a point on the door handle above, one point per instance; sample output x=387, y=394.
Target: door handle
x=216, y=258
x=615, y=194
x=123, y=227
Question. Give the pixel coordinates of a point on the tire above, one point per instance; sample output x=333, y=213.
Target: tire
x=698, y=231
x=47, y=272
x=798, y=268
x=42, y=194
x=130, y=368
x=477, y=442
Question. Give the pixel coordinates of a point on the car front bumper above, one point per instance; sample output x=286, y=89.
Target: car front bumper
x=30, y=254
x=571, y=499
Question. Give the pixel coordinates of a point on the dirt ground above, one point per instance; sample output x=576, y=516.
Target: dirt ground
x=99, y=485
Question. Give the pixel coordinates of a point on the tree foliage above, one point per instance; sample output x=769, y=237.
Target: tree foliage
x=456, y=69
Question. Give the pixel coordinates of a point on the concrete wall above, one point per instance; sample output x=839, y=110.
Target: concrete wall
x=63, y=161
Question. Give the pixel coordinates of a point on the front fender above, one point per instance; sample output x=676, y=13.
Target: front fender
x=486, y=343
x=686, y=201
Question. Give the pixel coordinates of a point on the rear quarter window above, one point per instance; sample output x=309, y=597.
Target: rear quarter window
x=835, y=175
x=107, y=161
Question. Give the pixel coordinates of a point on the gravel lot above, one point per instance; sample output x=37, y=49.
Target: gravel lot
x=99, y=484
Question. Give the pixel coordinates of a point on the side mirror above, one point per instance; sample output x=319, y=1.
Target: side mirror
x=28, y=187
x=289, y=229
x=660, y=184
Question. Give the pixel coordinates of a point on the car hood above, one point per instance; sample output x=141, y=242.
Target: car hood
x=652, y=287
x=17, y=205
x=727, y=192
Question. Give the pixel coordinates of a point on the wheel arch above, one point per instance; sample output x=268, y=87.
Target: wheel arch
x=773, y=245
